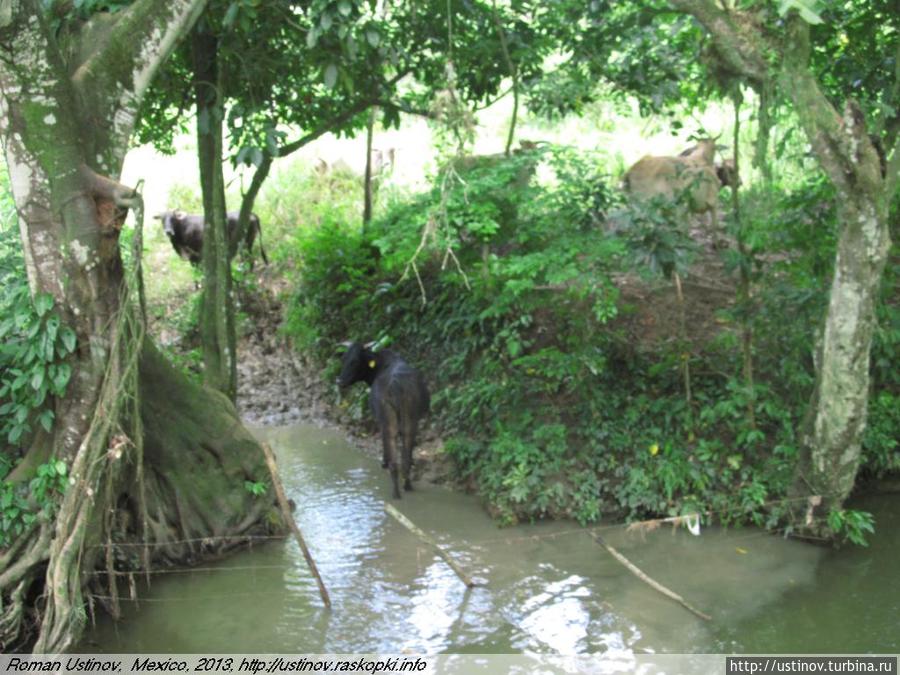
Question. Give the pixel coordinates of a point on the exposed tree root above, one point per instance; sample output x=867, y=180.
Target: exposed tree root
x=157, y=480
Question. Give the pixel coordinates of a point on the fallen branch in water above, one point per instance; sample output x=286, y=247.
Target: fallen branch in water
x=289, y=518
x=409, y=525
x=636, y=571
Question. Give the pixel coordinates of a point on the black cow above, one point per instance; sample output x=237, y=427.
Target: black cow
x=399, y=399
x=185, y=231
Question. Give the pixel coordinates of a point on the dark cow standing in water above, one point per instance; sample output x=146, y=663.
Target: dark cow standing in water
x=185, y=231
x=399, y=399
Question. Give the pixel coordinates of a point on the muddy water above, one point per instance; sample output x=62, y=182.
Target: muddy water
x=546, y=588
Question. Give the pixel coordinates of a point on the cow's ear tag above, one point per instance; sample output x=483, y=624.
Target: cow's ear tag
x=372, y=363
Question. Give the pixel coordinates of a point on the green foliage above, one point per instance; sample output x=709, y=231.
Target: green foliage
x=21, y=505
x=32, y=362
x=657, y=240
x=510, y=345
x=547, y=407
x=34, y=343
x=546, y=404
x=255, y=488
x=852, y=525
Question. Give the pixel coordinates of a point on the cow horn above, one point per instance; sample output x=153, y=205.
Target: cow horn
x=371, y=345
x=345, y=345
x=160, y=216
x=180, y=215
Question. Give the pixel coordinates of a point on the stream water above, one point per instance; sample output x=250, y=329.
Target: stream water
x=546, y=587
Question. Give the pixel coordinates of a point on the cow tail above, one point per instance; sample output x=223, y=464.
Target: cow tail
x=262, y=251
x=255, y=224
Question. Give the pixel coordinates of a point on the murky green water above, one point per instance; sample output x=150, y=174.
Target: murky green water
x=547, y=587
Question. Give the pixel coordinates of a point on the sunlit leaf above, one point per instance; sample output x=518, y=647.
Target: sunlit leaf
x=331, y=73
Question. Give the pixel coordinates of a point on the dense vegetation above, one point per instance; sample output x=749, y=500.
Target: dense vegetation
x=588, y=358
x=555, y=393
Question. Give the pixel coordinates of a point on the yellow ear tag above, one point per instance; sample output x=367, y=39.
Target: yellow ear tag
x=372, y=363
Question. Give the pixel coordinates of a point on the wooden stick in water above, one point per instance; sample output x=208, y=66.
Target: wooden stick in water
x=409, y=525
x=636, y=571
x=289, y=518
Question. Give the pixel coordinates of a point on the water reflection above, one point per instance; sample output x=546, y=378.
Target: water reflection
x=546, y=587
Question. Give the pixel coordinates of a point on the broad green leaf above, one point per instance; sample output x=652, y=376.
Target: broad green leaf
x=331, y=73
x=230, y=14
x=68, y=338
x=61, y=379
x=43, y=303
x=806, y=8
x=46, y=420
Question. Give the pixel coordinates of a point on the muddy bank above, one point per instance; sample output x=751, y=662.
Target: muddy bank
x=279, y=387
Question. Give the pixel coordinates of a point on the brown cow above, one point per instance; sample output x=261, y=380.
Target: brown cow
x=693, y=175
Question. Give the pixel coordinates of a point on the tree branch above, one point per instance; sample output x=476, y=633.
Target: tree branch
x=130, y=47
x=140, y=38
x=737, y=46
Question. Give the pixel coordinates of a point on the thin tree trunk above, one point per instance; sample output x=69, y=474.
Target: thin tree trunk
x=217, y=329
x=514, y=74
x=367, y=184
x=744, y=271
x=684, y=351
x=831, y=439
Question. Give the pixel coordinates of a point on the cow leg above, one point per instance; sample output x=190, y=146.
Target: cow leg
x=409, y=442
x=389, y=434
x=385, y=452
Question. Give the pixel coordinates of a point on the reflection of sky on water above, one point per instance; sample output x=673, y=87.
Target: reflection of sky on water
x=557, y=617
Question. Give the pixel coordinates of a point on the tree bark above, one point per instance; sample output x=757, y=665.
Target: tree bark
x=832, y=434
x=367, y=179
x=217, y=328
x=151, y=458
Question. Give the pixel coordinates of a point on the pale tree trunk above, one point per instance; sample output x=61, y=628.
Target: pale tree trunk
x=367, y=179
x=134, y=433
x=836, y=417
x=217, y=328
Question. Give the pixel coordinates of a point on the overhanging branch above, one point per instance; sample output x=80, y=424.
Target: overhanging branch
x=130, y=48
x=739, y=47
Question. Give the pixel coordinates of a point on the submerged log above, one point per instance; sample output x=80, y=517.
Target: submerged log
x=636, y=571
x=409, y=525
x=289, y=519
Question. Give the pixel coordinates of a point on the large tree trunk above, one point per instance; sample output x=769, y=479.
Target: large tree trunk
x=836, y=417
x=217, y=329
x=831, y=448
x=151, y=458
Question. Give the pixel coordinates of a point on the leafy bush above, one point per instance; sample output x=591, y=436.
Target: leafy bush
x=34, y=343
x=548, y=405
x=33, y=347
x=21, y=505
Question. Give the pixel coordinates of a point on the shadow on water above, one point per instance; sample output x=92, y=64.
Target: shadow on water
x=546, y=587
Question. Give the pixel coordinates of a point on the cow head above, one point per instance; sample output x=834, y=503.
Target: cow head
x=727, y=173
x=172, y=221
